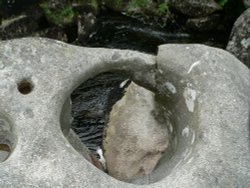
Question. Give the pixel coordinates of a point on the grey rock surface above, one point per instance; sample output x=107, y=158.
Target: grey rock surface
x=135, y=140
x=75, y=141
x=239, y=42
x=3, y=155
x=195, y=8
x=209, y=85
x=204, y=97
x=7, y=138
x=78, y=146
x=246, y=3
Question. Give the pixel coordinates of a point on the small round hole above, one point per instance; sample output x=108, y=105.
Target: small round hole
x=25, y=87
x=4, y=152
x=8, y=138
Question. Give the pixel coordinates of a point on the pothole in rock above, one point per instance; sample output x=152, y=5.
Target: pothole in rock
x=127, y=133
x=7, y=138
x=4, y=152
x=139, y=136
x=25, y=86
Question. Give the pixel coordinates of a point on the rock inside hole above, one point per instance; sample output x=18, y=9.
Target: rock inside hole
x=135, y=140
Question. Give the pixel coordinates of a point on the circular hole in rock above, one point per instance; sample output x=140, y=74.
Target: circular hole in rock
x=162, y=146
x=85, y=114
x=25, y=86
x=7, y=138
x=4, y=152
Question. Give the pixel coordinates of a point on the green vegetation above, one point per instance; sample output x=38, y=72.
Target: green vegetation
x=163, y=9
x=2, y=3
x=59, y=16
x=222, y=2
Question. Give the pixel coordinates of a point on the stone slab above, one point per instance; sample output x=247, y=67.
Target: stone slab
x=204, y=92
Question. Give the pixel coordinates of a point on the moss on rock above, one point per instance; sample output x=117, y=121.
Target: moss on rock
x=60, y=16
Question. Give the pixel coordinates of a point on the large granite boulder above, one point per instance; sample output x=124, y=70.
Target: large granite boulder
x=203, y=94
x=135, y=140
x=201, y=86
x=239, y=42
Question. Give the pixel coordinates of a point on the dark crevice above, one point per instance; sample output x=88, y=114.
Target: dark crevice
x=92, y=102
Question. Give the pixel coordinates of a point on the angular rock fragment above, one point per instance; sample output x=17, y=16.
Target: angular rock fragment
x=135, y=141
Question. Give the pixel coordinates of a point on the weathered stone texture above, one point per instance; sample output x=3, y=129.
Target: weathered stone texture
x=239, y=42
x=203, y=94
x=134, y=140
x=195, y=8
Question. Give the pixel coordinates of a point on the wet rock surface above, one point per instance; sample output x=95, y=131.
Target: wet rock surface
x=195, y=8
x=239, y=42
x=134, y=139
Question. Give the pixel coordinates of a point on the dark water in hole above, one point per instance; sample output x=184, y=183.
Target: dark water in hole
x=93, y=100
x=91, y=104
